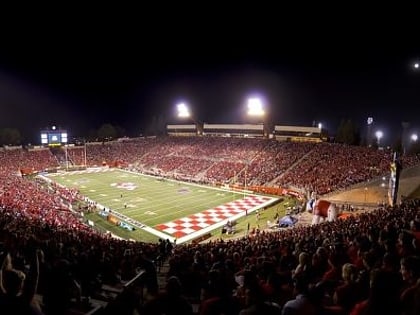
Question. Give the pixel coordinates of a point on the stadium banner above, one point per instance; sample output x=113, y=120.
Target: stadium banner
x=113, y=219
x=27, y=171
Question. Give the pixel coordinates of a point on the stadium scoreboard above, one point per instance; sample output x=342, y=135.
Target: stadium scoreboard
x=54, y=137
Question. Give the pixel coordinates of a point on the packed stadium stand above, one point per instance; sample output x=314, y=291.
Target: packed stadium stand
x=55, y=263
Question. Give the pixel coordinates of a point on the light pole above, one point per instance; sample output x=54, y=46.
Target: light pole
x=366, y=189
x=67, y=157
x=413, y=143
x=379, y=134
x=256, y=110
x=185, y=112
x=85, y=152
x=384, y=188
x=246, y=167
x=369, y=131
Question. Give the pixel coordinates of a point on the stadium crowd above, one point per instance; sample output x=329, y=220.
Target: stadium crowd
x=319, y=167
x=365, y=264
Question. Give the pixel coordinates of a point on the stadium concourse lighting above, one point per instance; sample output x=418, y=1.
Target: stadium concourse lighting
x=255, y=107
x=183, y=110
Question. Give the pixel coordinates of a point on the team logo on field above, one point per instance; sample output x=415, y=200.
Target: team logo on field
x=125, y=185
x=183, y=190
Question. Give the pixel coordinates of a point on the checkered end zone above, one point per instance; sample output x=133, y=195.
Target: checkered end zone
x=184, y=226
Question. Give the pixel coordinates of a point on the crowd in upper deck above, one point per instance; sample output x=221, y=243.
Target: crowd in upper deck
x=319, y=167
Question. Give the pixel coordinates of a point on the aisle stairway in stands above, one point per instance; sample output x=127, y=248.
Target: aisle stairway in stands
x=162, y=275
x=162, y=271
x=290, y=168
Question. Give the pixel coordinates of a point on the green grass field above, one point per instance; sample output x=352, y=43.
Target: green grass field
x=146, y=199
x=153, y=201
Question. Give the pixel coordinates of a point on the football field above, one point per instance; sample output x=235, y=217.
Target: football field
x=160, y=207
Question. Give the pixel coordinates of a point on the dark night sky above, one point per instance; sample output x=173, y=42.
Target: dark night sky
x=80, y=73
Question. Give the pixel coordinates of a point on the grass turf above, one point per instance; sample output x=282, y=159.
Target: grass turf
x=151, y=200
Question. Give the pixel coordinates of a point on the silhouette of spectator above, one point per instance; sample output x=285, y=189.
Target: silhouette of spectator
x=170, y=302
x=302, y=303
x=60, y=288
x=149, y=267
x=383, y=295
x=217, y=298
x=16, y=290
x=410, y=271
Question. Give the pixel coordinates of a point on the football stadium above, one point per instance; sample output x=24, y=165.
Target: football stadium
x=124, y=225
x=205, y=161
x=167, y=209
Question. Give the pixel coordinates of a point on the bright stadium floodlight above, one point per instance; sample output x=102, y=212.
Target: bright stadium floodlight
x=183, y=110
x=414, y=137
x=255, y=107
x=379, y=134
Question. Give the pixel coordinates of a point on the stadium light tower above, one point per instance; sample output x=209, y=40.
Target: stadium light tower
x=255, y=107
x=369, y=131
x=183, y=110
x=257, y=113
x=413, y=142
x=379, y=134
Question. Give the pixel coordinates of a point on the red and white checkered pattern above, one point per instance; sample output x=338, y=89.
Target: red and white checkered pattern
x=185, y=226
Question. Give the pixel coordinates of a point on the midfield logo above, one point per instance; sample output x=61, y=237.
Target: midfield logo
x=126, y=185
